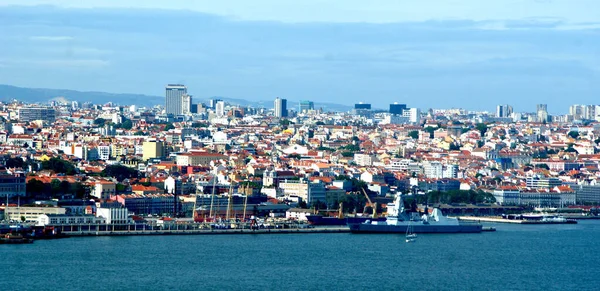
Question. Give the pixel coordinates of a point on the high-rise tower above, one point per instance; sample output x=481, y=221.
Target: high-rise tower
x=174, y=99
x=280, y=107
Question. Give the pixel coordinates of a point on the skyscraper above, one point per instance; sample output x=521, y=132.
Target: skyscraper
x=504, y=111
x=397, y=108
x=280, y=107
x=306, y=106
x=542, y=112
x=174, y=98
x=220, y=108
x=186, y=104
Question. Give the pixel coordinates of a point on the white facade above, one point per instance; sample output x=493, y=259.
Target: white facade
x=220, y=108
x=433, y=170
x=300, y=189
x=413, y=115
x=61, y=219
x=31, y=214
x=363, y=159
x=113, y=215
x=104, y=152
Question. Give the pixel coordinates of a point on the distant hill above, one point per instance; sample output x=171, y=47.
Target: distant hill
x=43, y=95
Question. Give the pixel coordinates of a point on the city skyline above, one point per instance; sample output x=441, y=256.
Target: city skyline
x=444, y=58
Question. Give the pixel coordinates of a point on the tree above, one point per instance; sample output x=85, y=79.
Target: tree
x=542, y=166
x=413, y=134
x=99, y=121
x=199, y=124
x=55, y=186
x=34, y=186
x=573, y=134
x=65, y=186
x=127, y=124
x=430, y=129
x=59, y=166
x=169, y=126
x=120, y=172
x=482, y=127
x=139, y=132
x=14, y=163
x=319, y=123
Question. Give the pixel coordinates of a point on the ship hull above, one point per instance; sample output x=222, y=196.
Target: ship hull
x=320, y=220
x=416, y=228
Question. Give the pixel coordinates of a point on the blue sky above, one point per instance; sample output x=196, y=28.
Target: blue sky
x=428, y=54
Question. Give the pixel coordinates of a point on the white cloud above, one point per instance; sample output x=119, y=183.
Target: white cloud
x=373, y=11
x=51, y=38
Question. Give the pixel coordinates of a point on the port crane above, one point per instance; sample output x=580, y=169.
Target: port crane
x=373, y=205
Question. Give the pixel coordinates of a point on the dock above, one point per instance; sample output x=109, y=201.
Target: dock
x=209, y=231
x=514, y=221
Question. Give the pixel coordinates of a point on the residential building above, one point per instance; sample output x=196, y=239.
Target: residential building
x=198, y=158
x=104, y=189
x=152, y=149
x=29, y=114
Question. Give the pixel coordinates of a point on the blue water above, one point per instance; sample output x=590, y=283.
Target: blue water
x=515, y=257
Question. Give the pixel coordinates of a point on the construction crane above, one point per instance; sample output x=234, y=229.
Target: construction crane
x=373, y=205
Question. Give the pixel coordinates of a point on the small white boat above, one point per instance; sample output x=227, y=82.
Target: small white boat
x=410, y=235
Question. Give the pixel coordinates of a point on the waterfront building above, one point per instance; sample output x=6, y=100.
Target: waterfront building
x=68, y=219
x=588, y=194
x=31, y=214
x=305, y=190
x=12, y=184
x=113, y=215
x=154, y=204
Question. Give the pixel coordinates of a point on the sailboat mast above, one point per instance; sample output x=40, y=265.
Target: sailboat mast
x=245, y=205
x=212, y=198
x=228, y=215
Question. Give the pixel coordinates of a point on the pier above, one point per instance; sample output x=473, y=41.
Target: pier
x=208, y=231
x=514, y=221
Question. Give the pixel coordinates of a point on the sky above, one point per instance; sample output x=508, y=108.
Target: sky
x=428, y=54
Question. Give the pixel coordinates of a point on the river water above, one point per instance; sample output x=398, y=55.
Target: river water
x=515, y=257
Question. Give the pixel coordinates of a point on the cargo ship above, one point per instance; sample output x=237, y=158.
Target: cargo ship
x=398, y=220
